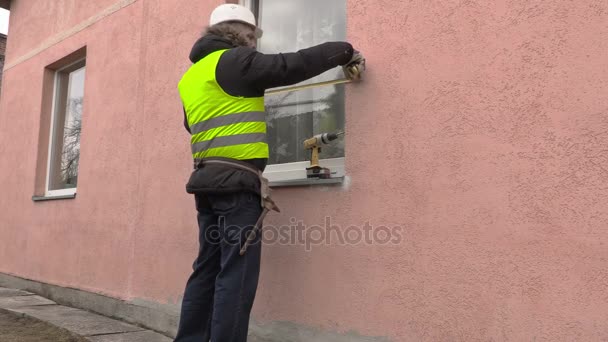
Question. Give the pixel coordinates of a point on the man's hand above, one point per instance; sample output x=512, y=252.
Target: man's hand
x=355, y=67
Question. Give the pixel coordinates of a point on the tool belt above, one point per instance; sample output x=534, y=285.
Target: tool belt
x=266, y=201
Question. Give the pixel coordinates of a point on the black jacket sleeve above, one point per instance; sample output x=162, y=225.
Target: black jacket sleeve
x=244, y=71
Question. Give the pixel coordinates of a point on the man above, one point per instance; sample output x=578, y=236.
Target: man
x=223, y=98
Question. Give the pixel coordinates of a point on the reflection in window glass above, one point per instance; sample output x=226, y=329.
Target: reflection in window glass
x=293, y=117
x=65, y=149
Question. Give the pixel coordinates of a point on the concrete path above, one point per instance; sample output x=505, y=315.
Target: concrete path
x=94, y=327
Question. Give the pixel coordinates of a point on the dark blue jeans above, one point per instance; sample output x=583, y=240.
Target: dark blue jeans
x=220, y=292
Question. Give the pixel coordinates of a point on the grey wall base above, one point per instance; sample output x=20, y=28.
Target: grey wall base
x=290, y=332
x=164, y=318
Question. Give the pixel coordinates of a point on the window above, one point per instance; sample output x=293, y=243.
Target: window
x=295, y=116
x=66, y=124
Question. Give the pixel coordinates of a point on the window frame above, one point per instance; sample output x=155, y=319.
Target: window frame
x=288, y=174
x=53, y=128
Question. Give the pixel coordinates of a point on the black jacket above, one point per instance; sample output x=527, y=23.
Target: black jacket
x=243, y=71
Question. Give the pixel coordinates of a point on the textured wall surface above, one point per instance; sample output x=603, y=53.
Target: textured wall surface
x=34, y=22
x=481, y=129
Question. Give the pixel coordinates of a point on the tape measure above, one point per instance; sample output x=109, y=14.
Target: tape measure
x=353, y=70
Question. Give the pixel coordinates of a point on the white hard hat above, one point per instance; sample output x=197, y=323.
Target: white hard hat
x=233, y=12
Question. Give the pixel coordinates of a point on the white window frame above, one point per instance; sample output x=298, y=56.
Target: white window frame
x=247, y=3
x=61, y=192
x=295, y=173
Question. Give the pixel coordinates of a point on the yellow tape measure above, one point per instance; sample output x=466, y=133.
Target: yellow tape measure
x=354, y=71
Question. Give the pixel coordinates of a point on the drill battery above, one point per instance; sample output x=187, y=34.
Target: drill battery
x=318, y=172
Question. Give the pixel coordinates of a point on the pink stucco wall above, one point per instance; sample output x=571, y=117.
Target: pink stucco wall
x=481, y=129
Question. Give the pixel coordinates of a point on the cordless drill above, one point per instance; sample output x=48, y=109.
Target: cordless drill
x=314, y=144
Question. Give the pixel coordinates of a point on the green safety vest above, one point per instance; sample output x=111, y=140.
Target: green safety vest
x=221, y=125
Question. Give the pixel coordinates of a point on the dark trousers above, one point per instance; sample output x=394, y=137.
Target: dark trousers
x=220, y=292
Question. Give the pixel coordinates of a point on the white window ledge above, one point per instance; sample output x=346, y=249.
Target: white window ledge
x=307, y=182
x=294, y=174
x=53, y=197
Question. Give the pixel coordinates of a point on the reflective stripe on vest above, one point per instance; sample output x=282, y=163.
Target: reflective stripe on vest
x=221, y=125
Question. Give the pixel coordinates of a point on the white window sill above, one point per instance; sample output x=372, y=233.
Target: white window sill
x=52, y=197
x=307, y=182
x=56, y=195
x=294, y=174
